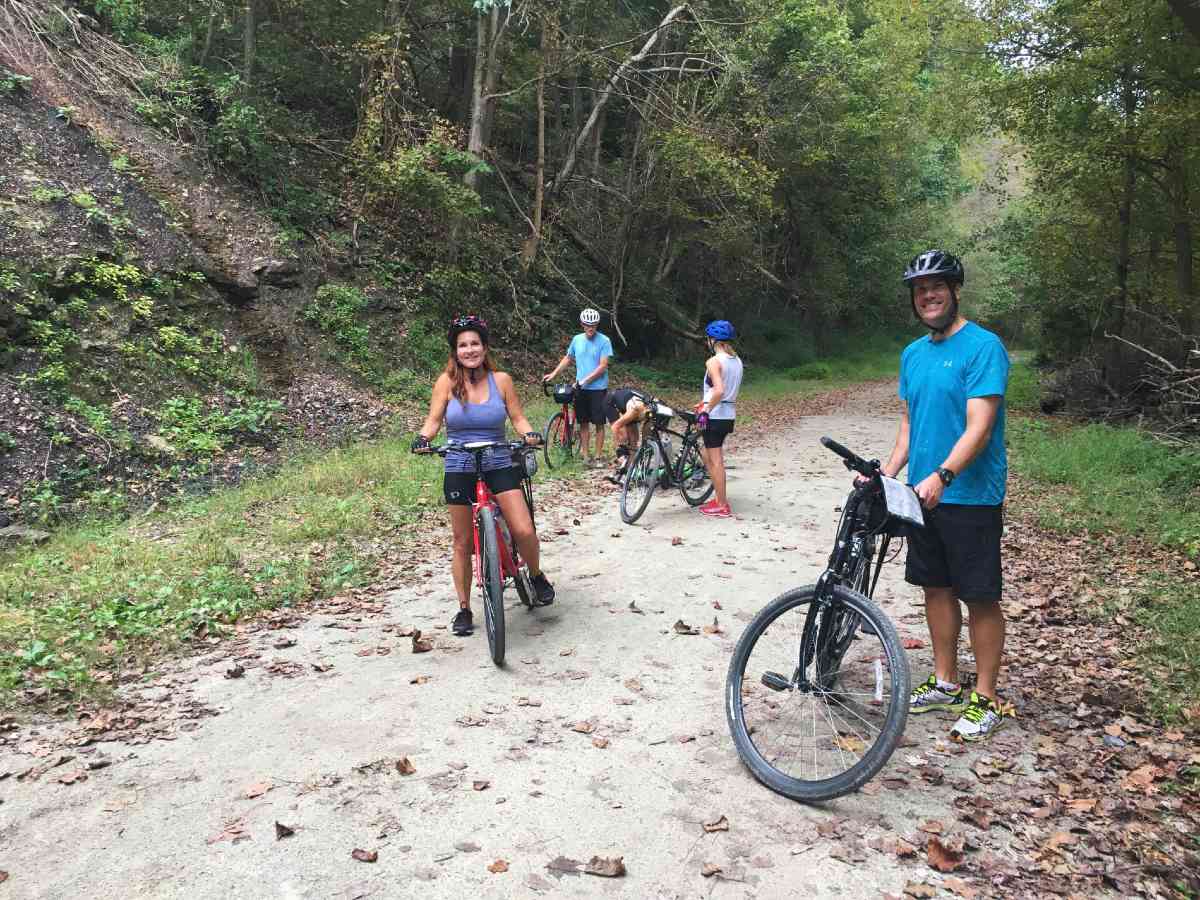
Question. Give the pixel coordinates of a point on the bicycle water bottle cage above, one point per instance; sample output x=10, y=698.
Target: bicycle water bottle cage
x=564, y=393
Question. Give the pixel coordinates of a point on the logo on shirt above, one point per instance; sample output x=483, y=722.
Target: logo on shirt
x=948, y=364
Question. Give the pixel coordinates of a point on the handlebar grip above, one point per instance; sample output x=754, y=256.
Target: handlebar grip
x=837, y=448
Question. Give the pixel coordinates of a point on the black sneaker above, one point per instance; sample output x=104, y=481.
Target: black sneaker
x=463, y=624
x=543, y=589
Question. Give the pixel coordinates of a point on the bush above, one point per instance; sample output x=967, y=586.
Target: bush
x=335, y=310
x=813, y=371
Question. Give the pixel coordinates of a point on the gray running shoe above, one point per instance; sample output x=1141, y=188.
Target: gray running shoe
x=980, y=720
x=928, y=697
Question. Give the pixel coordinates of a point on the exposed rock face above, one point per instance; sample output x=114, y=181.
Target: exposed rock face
x=277, y=272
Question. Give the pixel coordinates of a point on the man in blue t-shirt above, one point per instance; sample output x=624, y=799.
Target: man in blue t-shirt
x=951, y=436
x=590, y=351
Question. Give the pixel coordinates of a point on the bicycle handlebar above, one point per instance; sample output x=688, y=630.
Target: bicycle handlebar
x=479, y=447
x=855, y=463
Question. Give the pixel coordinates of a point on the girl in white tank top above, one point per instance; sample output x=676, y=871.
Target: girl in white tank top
x=722, y=381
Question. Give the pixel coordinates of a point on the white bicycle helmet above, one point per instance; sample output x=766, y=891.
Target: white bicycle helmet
x=589, y=317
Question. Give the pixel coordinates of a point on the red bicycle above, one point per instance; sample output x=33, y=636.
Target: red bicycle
x=563, y=435
x=497, y=560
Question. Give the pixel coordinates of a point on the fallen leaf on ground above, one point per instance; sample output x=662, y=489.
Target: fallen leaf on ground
x=420, y=679
x=681, y=627
x=959, y=887
x=470, y=721
x=912, y=643
x=633, y=608
x=850, y=743
x=234, y=831
x=932, y=826
x=566, y=651
x=946, y=854
x=284, y=643
x=600, y=742
x=721, y=824
x=1142, y=779
x=467, y=847
x=498, y=866
x=676, y=541
x=282, y=831
x=564, y=864
x=366, y=651
x=404, y=766
x=322, y=666
x=367, y=856
x=714, y=628
x=71, y=777
x=708, y=870
x=584, y=727
x=3, y=876
x=420, y=644
x=257, y=790
x=606, y=867
x=236, y=671
x=633, y=684
x=919, y=889
x=481, y=785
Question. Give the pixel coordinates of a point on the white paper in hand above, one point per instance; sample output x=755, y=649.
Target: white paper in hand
x=902, y=501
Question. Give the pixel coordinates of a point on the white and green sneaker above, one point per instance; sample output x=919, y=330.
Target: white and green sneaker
x=929, y=696
x=980, y=720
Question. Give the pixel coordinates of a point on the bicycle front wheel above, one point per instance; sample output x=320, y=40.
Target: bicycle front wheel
x=493, y=584
x=803, y=730
x=562, y=441
x=692, y=475
x=641, y=478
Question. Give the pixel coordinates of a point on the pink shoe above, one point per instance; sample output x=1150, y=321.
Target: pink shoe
x=709, y=505
x=717, y=511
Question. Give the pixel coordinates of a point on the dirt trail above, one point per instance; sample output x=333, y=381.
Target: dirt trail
x=604, y=735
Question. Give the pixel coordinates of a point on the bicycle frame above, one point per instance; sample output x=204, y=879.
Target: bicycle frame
x=510, y=562
x=852, y=548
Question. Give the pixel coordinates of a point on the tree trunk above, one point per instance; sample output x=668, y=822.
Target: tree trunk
x=529, y=250
x=581, y=139
x=209, y=32
x=1184, y=273
x=1189, y=12
x=475, y=139
x=249, y=42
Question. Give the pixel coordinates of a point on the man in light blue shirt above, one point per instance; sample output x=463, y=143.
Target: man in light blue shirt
x=951, y=437
x=590, y=351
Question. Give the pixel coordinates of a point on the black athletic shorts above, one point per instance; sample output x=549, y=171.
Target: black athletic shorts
x=959, y=547
x=459, y=487
x=589, y=406
x=717, y=431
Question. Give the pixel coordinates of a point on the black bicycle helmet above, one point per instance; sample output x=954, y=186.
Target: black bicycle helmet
x=935, y=263
x=467, y=323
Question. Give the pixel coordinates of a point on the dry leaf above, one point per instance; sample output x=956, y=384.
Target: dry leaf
x=498, y=866
x=71, y=777
x=912, y=643
x=959, y=887
x=420, y=644
x=420, y=679
x=606, y=867
x=404, y=766
x=681, y=627
x=945, y=855
x=282, y=831
x=708, y=870
x=633, y=684
x=284, y=643
x=564, y=864
x=633, y=608
x=932, y=826
x=919, y=889
x=714, y=628
x=721, y=824
x=600, y=742
x=234, y=831
x=850, y=743
x=257, y=790
x=584, y=727
x=481, y=785
x=367, y=856
x=676, y=541
x=235, y=671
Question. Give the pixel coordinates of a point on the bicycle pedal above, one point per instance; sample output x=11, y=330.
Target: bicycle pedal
x=776, y=682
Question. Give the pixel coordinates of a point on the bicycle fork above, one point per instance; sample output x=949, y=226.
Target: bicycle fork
x=806, y=652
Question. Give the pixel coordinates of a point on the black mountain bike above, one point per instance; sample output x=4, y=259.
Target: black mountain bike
x=817, y=692
x=655, y=465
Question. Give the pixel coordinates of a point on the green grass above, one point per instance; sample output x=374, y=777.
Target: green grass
x=1116, y=479
x=1098, y=479
x=100, y=595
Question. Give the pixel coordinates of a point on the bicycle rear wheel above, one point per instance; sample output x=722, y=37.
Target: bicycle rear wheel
x=493, y=584
x=815, y=735
x=562, y=441
x=691, y=474
x=638, y=487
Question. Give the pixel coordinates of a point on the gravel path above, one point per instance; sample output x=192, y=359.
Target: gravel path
x=604, y=735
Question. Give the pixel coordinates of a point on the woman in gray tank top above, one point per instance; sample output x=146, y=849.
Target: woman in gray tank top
x=718, y=409
x=474, y=400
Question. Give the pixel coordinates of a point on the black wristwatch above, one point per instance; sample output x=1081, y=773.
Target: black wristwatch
x=946, y=475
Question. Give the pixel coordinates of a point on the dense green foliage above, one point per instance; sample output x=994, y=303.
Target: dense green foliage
x=772, y=162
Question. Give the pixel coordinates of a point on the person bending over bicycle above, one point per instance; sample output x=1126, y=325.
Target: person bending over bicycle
x=625, y=408
x=474, y=400
x=716, y=412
